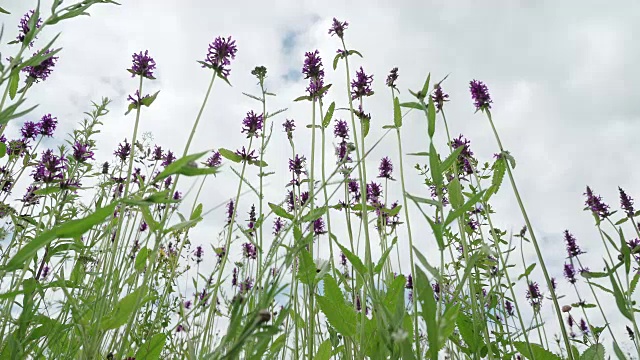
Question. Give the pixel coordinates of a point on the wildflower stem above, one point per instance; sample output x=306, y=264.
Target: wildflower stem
x=535, y=244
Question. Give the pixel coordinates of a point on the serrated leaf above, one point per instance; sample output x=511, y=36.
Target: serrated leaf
x=340, y=315
x=455, y=193
x=447, y=324
x=397, y=113
x=327, y=117
x=451, y=159
x=464, y=208
x=314, y=214
x=539, y=352
x=594, y=352
x=324, y=351
x=152, y=348
x=355, y=261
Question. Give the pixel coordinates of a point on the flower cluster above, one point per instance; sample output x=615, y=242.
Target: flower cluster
x=361, y=85
x=252, y=124
x=596, y=205
x=41, y=72
x=214, y=160
x=25, y=28
x=50, y=167
x=219, y=56
x=392, y=77
x=439, y=97
x=312, y=70
x=480, y=95
x=289, y=126
x=338, y=27
x=81, y=152
x=143, y=65
x=385, y=168
x=465, y=159
x=573, y=249
x=626, y=203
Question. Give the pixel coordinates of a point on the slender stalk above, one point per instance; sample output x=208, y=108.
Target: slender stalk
x=534, y=241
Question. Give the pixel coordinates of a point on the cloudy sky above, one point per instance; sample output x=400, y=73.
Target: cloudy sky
x=561, y=74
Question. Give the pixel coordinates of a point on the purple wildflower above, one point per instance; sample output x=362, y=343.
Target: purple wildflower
x=361, y=85
x=630, y=332
x=168, y=159
x=199, y=253
x=338, y=28
x=30, y=130
x=573, y=249
x=41, y=71
x=177, y=195
x=30, y=198
x=234, y=277
x=296, y=165
x=554, y=284
x=312, y=70
x=374, y=191
x=252, y=124
x=342, y=152
x=354, y=189
x=409, y=284
x=219, y=56
x=81, y=152
x=584, y=327
x=385, y=168
x=123, y=151
x=570, y=273
x=143, y=226
x=392, y=77
x=214, y=160
x=251, y=156
x=252, y=219
x=167, y=182
x=596, y=204
x=626, y=202
x=143, y=65
x=289, y=126
x=49, y=168
x=246, y=285
x=358, y=303
x=157, y=153
x=509, y=307
x=341, y=129
x=534, y=295
x=48, y=125
x=480, y=95
x=249, y=251
x=24, y=26
x=318, y=227
x=343, y=259
x=290, y=200
x=465, y=157
x=277, y=226
x=187, y=304
x=439, y=97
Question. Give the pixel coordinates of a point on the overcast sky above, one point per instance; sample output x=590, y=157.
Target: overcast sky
x=563, y=77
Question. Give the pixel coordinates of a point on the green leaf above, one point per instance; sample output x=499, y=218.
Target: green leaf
x=230, y=155
x=148, y=218
x=307, y=268
x=151, y=349
x=595, y=352
x=428, y=306
x=123, y=309
x=434, y=164
x=327, y=117
x=447, y=324
x=314, y=214
x=335, y=61
x=455, y=193
x=619, y=296
x=384, y=256
x=280, y=211
x=448, y=162
x=148, y=100
x=182, y=166
x=397, y=113
x=467, y=332
x=634, y=283
x=351, y=52
x=196, y=212
x=431, y=118
x=466, y=207
x=412, y=105
x=69, y=229
x=528, y=271
x=3, y=149
x=366, y=124
x=355, y=261
x=433, y=271
x=618, y=351
x=141, y=259
x=340, y=315
x=539, y=353
x=425, y=87
x=418, y=199
x=4, y=11
x=324, y=351
x=14, y=80
x=306, y=97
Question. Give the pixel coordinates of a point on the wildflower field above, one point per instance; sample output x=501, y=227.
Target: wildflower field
x=324, y=251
